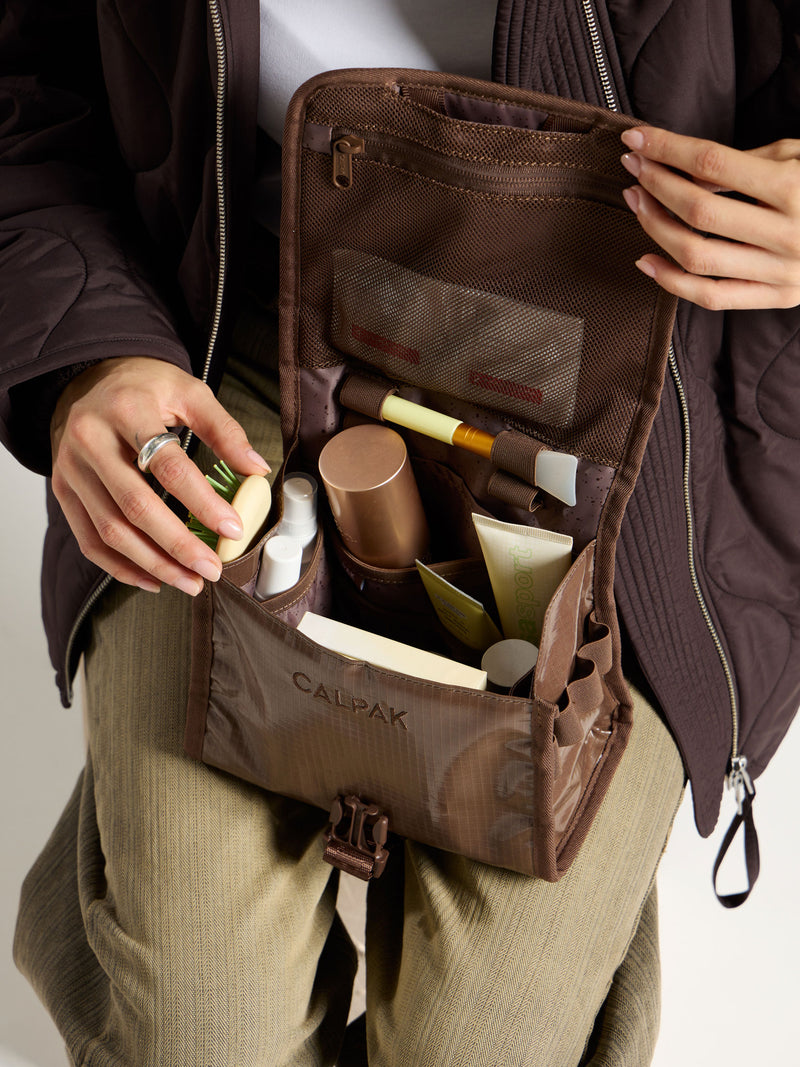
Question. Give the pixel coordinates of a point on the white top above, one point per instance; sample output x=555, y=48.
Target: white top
x=300, y=38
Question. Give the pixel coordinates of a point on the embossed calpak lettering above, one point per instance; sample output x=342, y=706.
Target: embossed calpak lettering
x=341, y=698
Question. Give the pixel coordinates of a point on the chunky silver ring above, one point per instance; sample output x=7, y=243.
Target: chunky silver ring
x=149, y=449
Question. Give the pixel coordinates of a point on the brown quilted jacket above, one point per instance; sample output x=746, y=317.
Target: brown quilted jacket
x=110, y=240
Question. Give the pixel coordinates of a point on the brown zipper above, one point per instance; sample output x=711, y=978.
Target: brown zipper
x=519, y=179
x=343, y=149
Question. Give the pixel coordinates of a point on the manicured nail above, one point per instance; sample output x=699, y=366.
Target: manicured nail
x=206, y=569
x=230, y=528
x=188, y=585
x=148, y=586
x=258, y=460
x=633, y=138
x=632, y=163
x=646, y=267
x=631, y=197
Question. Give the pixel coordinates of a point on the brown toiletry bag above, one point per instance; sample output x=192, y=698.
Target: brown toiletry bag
x=467, y=245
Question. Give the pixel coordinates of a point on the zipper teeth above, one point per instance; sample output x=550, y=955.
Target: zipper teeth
x=222, y=84
x=90, y=602
x=222, y=206
x=383, y=144
x=613, y=105
x=599, y=56
x=435, y=167
x=687, y=503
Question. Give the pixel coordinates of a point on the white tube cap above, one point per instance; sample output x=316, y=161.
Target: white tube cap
x=299, y=519
x=505, y=662
x=281, y=558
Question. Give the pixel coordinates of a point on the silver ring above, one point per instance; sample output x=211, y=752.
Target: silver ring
x=149, y=449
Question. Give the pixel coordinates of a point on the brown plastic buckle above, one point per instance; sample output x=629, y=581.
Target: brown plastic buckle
x=355, y=838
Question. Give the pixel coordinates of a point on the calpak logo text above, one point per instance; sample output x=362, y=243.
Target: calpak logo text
x=347, y=701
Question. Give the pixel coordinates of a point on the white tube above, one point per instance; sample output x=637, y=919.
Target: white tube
x=526, y=565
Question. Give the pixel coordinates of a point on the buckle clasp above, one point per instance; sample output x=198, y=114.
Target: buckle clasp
x=356, y=836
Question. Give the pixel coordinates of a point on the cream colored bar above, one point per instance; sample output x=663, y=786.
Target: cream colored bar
x=252, y=503
x=387, y=654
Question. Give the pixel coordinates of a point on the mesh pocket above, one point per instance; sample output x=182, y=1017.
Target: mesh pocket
x=477, y=346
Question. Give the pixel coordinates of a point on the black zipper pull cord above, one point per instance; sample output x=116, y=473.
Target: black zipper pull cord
x=742, y=783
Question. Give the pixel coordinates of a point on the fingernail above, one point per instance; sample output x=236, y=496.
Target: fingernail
x=631, y=197
x=632, y=163
x=206, y=569
x=258, y=460
x=646, y=267
x=188, y=585
x=633, y=138
x=230, y=528
x=149, y=587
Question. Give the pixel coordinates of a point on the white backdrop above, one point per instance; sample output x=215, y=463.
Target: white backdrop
x=731, y=986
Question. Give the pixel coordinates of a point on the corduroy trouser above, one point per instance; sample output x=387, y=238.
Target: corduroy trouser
x=179, y=916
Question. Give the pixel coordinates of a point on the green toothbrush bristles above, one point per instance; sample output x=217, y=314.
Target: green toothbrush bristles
x=226, y=483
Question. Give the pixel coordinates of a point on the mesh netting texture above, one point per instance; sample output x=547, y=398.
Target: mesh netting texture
x=523, y=233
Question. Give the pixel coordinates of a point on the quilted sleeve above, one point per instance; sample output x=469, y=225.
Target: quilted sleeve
x=74, y=285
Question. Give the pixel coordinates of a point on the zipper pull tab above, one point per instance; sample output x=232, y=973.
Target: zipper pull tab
x=741, y=783
x=343, y=149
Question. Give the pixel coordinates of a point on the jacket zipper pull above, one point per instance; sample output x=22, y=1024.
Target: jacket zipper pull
x=739, y=780
x=343, y=149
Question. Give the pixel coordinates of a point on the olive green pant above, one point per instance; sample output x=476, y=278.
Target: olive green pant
x=179, y=916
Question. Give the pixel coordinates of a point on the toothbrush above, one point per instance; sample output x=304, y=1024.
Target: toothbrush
x=251, y=499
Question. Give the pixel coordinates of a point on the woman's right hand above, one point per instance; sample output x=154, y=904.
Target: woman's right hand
x=101, y=421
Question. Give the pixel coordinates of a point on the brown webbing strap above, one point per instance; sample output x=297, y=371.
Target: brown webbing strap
x=513, y=491
x=365, y=395
x=516, y=453
x=584, y=692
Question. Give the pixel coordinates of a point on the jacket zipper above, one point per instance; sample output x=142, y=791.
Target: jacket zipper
x=736, y=759
x=222, y=211
x=222, y=197
x=88, y=605
x=737, y=778
x=601, y=62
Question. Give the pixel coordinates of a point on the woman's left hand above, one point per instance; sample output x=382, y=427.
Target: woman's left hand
x=728, y=253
